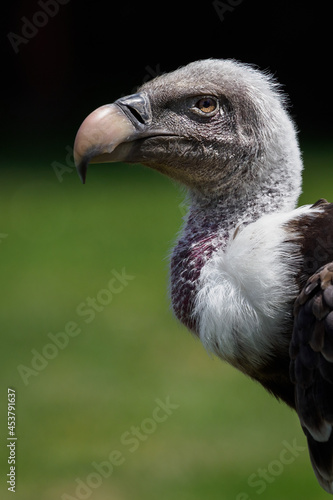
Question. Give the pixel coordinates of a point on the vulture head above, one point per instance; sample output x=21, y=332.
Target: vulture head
x=216, y=126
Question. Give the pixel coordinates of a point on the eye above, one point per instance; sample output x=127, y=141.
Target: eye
x=206, y=106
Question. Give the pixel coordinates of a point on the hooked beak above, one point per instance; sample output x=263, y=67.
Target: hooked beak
x=107, y=133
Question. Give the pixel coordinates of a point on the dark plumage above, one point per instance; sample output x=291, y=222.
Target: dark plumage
x=250, y=275
x=311, y=368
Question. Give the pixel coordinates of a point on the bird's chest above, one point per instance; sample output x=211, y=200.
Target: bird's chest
x=235, y=291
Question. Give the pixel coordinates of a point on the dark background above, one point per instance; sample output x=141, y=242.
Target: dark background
x=89, y=53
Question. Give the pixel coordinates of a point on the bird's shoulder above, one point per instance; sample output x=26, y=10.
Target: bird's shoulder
x=314, y=233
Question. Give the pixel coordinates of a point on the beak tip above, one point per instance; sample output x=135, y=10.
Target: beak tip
x=82, y=171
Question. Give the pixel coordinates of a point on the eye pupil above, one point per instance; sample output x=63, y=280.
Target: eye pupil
x=206, y=105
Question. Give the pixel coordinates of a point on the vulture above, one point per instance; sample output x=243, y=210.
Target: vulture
x=251, y=274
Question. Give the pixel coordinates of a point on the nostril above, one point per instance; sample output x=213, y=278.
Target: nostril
x=137, y=108
x=136, y=114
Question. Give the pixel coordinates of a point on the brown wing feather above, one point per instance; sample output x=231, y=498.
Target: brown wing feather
x=311, y=369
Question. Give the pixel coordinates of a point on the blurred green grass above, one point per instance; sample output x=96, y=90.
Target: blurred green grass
x=60, y=243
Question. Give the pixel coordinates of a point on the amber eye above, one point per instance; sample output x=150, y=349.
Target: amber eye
x=206, y=105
